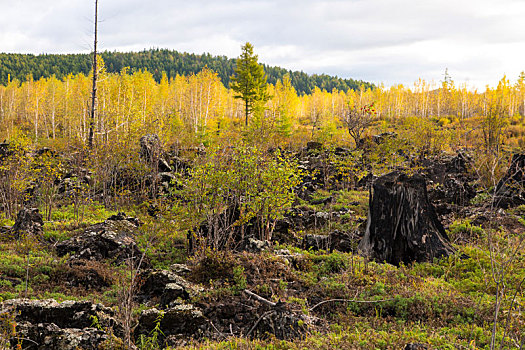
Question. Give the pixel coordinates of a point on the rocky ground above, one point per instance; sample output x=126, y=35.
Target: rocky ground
x=118, y=280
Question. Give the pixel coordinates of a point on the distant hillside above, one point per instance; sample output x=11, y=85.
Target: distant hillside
x=157, y=61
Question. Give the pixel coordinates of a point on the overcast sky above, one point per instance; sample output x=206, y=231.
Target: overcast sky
x=388, y=41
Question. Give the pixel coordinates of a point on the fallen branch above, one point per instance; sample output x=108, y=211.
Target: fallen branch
x=218, y=331
x=259, y=298
x=259, y=320
x=348, y=301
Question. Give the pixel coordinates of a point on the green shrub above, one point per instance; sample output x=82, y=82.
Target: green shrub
x=464, y=228
x=331, y=263
x=239, y=278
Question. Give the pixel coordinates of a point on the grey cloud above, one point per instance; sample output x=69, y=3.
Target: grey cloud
x=379, y=40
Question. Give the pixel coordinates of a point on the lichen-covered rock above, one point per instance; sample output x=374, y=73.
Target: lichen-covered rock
x=247, y=317
x=166, y=181
x=438, y=169
x=336, y=240
x=458, y=191
x=29, y=221
x=316, y=242
x=304, y=218
x=48, y=324
x=150, y=147
x=415, y=346
x=166, y=286
x=281, y=323
x=180, y=269
x=67, y=314
x=257, y=245
x=111, y=239
x=48, y=336
x=73, y=181
x=186, y=320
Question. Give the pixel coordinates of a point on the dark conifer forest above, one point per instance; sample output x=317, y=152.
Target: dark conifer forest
x=157, y=62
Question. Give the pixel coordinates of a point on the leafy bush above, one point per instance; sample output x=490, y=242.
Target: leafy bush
x=331, y=263
x=239, y=278
x=464, y=228
x=259, y=185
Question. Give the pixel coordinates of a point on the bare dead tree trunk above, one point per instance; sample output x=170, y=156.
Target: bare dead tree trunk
x=94, y=88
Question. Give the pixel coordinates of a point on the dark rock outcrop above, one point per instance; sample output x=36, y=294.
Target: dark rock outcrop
x=248, y=317
x=180, y=320
x=510, y=191
x=316, y=242
x=313, y=146
x=164, y=167
x=437, y=169
x=336, y=240
x=74, y=181
x=306, y=218
x=5, y=150
x=47, y=324
x=165, y=180
x=454, y=190
x=177, y=163
x=402, y=223
x=111, y=239
x=281, y=231
x=415, y=346
x=451, y=181
x=150, y=148
x=368, y=142
x=29, y=221
x=166, y=286
x=280, y=322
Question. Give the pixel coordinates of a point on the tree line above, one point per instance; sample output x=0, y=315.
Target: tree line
x=199, y=108
x=157, y=62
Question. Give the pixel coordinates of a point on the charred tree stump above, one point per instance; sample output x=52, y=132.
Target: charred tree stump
x=402, y=223
x=510, y=191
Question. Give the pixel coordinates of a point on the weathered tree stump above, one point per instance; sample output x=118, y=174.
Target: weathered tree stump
x=402, y=223
x=510, y=191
